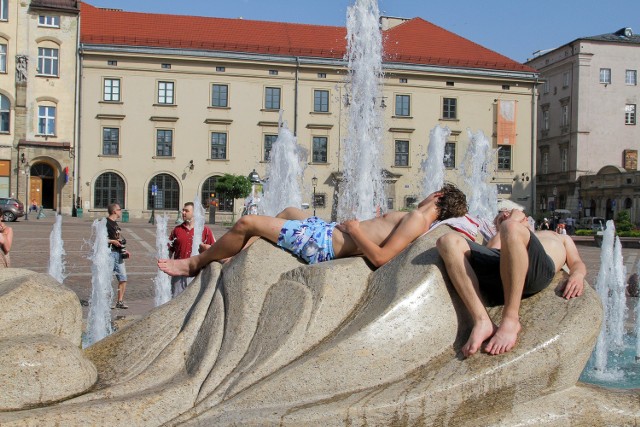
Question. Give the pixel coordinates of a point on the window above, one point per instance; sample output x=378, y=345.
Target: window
x=319, y=200
x=403, y=80
x=449, y=108
x=109, y=188
x=110, y=141
x=219, y=95
x=410, y=201
x=165, y=66
x=49, y=21
x=564, y=159
x=273, y=72
x=46, y=120
x=168, y=193
x=112, y=62
x=403, y=105
x=268, y=144
x=605, y=75
x=47, y=61
x=225, y=204
x=5, y=114
x=630, y=114
x=221, y=69
x=218, y=146
x=320, y=101
x=322, y=75
x=506, y=87
x=565, y=116
x=545, y=162
x=631, y=77
x=272, y=98
x=164, y=142
x=165, y=92
x=545, y=120
x=319, y=149
x=449, y=155
x=504, y=157
x=111, y=91
x=4, y=10
x=451, y=84
x=401, y=153
x=3, y=58
x=565, y=79
x=545, y=86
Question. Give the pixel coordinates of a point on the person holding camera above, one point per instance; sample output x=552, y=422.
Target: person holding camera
x=118, y=251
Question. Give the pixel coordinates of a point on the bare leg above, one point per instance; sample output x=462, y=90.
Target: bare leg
x=122, y=286
x=514, y=263
x=454, y=250
x=287, y=214
x=227, y=246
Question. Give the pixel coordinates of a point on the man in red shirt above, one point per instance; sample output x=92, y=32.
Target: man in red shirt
x=180, y=244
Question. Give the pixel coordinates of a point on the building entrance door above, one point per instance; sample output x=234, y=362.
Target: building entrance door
x=42, y=185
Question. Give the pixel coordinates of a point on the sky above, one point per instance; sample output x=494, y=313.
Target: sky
x=513, y=28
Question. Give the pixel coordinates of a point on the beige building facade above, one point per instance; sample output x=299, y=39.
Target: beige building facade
x=159, y=125
x=587, y=125
x=38, y=44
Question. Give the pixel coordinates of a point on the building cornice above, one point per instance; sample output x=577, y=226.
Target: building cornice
x=297, y=60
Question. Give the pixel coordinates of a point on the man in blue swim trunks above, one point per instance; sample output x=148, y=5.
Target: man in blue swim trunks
x=516, y=262
x=378, y=239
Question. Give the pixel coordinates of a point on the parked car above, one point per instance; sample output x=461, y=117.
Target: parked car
x=594, y=223
x=11, y=209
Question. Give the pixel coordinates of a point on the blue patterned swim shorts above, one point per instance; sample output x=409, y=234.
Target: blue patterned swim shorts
x=309, y=239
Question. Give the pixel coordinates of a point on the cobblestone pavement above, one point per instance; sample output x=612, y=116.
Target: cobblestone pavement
x=31, y=250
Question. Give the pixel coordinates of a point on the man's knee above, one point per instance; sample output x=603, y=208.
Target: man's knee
x=244, y=224
x=514, y=231
x=451, y=243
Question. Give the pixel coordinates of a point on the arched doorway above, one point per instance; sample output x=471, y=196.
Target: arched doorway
x=42, y=185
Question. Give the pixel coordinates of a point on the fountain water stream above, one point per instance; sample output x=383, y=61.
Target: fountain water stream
x=612, y=363
x=362, y=191
x=476, y=168
x=162, y=282
x=198, y=225
x=57, y=263
x=99, y=318
x=433, y=165
x=285, y=171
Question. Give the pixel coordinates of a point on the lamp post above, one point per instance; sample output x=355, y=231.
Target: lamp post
x=27, y=167
x=314, y=182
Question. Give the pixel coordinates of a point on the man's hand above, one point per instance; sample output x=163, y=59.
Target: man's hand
x=203, y=247
x=116, y=243
x=349, y=226
x=574, y=286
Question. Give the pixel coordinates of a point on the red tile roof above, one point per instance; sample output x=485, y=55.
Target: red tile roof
x=415, y=41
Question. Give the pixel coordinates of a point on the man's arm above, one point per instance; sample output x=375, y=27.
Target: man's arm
x=578, y=270
x=411, y=226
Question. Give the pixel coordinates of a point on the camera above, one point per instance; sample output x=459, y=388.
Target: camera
x=123, y=249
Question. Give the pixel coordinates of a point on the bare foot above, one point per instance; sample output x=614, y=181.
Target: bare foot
x=177, y=267
x=482, y=330
x=505, y=337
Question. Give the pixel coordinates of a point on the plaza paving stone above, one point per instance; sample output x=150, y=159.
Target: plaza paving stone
x=31, y=251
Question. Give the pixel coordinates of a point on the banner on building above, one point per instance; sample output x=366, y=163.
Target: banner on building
x=506, y=122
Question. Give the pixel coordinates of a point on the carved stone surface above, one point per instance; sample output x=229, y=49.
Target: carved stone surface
x=269, y=340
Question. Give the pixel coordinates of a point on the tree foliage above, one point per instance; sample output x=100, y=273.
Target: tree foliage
x=623, y=221
x=234, y=186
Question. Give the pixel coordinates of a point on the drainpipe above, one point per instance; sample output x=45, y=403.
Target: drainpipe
x=76, y=137
x=295, y=98
x=534, y=148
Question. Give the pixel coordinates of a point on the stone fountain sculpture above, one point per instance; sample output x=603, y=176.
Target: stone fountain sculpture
x=268, y=340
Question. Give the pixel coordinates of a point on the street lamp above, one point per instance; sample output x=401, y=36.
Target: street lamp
x=314, y=182
x=254, y=177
